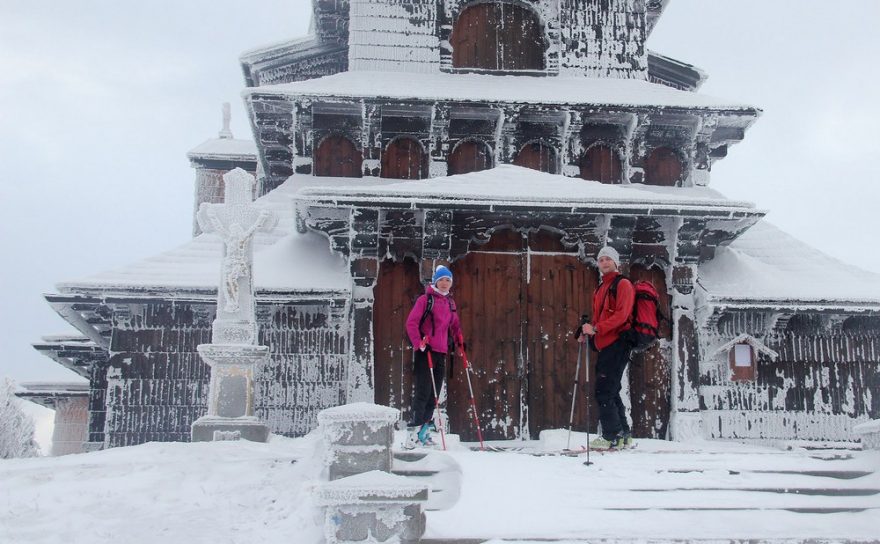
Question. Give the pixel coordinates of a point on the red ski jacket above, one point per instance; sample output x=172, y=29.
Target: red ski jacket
x=437, y=325
x=611, y=314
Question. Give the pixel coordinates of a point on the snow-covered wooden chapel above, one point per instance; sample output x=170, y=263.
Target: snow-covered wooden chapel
x=510, y=139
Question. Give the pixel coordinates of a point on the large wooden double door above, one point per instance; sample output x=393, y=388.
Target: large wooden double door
x=519, y=300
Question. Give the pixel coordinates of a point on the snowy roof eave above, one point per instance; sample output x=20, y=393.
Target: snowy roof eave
x=793, y=304
x=191, y=293
x=470, y=88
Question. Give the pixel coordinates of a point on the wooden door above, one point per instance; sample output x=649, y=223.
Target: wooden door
x=663, y=167
x=397, y=288
x=337, y=156
x=488, y=288
x=404, y=158
x=537, y=156
x=470, y=156
x=559, y=290
x=601, y=163
x=649, y=372
x=498, y=36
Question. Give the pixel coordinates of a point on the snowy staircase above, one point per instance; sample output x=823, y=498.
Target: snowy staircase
x=763, y=493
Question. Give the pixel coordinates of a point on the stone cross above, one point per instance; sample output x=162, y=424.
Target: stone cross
x=233, y=353
x=236, y=221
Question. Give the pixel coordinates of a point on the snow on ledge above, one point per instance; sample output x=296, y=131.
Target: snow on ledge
x=768, y=265
x=506, y=184
x=359, y=411
x=867, y=427
x=284, y=260
x=517, y=89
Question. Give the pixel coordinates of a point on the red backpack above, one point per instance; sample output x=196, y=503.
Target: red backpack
x=646, y=314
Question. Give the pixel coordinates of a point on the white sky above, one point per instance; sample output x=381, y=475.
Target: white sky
x=101, y=100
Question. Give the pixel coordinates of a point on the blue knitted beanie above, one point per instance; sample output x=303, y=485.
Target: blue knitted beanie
x=441, y=272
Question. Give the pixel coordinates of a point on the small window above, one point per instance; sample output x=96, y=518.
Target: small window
x=537, y=156
x=742, y=362
x=404, y=158
x=601, y=163
x=663, y=167
x=470, y=156
x=337, y=156
x=498, y=36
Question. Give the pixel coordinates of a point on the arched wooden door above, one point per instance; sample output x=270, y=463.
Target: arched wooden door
x=470, y=156
x=498, y=36
x=397, y=288
x=537, y=156
x=404, y=158
x=337, y=156
x=663, y=167
x=649, y=372
x=519, y=300
x=601, y=163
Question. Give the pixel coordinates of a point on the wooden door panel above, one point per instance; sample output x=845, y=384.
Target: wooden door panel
x=487, y=290
x=559, y=291
x=537, y=156
x=649, y=372
x=470, y=156
x=663, y=167
x=337, y=156
x=397, y=288
x=498, y=36
x=601, y=163
x=404, y=158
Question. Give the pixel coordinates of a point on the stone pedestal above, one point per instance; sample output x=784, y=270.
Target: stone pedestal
x=373, y=507
x=869, y=432
x=358, y=438
x=231, y=396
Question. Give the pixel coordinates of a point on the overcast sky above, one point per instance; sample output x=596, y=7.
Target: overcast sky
x=101, y=100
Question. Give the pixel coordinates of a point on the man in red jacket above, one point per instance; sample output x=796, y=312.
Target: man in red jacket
x=612, y=311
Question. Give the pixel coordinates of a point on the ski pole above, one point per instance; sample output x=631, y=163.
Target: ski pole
x=467, y=373
x=574, y=396
x=436, y=399
x=587, y=394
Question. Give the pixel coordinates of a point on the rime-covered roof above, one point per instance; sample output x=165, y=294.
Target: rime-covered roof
x=514, y=185
x=284, y=260
x=513, y=89
x=225, y=149
x=768, y=264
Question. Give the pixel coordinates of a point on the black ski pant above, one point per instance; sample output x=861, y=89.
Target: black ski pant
x=423, y=398
x=609, y=372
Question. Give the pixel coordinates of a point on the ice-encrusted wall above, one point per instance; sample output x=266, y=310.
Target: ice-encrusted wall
x=824, y=381
x=394, y=36
x=157, y=384
x=603, y=38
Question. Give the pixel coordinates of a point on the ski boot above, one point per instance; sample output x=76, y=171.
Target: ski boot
x=602, y=443
x=424, y=435
x=412, y=438
x=627, y=440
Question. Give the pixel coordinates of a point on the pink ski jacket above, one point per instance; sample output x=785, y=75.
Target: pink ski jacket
x=437, y=325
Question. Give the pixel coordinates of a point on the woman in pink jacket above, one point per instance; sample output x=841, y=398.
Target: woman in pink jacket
x=428, y=326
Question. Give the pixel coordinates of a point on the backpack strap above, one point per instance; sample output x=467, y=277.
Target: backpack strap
x=429, y=305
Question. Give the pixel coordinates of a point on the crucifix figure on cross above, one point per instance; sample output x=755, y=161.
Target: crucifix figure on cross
x=236, y=221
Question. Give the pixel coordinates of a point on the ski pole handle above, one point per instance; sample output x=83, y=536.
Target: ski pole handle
x=580, y=329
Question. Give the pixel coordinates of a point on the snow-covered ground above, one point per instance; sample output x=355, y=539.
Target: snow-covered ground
x=241, y=492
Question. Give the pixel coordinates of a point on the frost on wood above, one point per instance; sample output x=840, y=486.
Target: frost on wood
x=16, y=427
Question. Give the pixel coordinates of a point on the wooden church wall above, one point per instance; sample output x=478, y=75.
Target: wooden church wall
x=157, y=384
x=817, y=389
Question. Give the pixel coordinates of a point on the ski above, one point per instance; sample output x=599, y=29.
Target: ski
x=554, y=453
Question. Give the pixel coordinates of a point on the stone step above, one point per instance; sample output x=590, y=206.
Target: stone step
x=824, y=492
x=836, y=474
x=643, y=541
